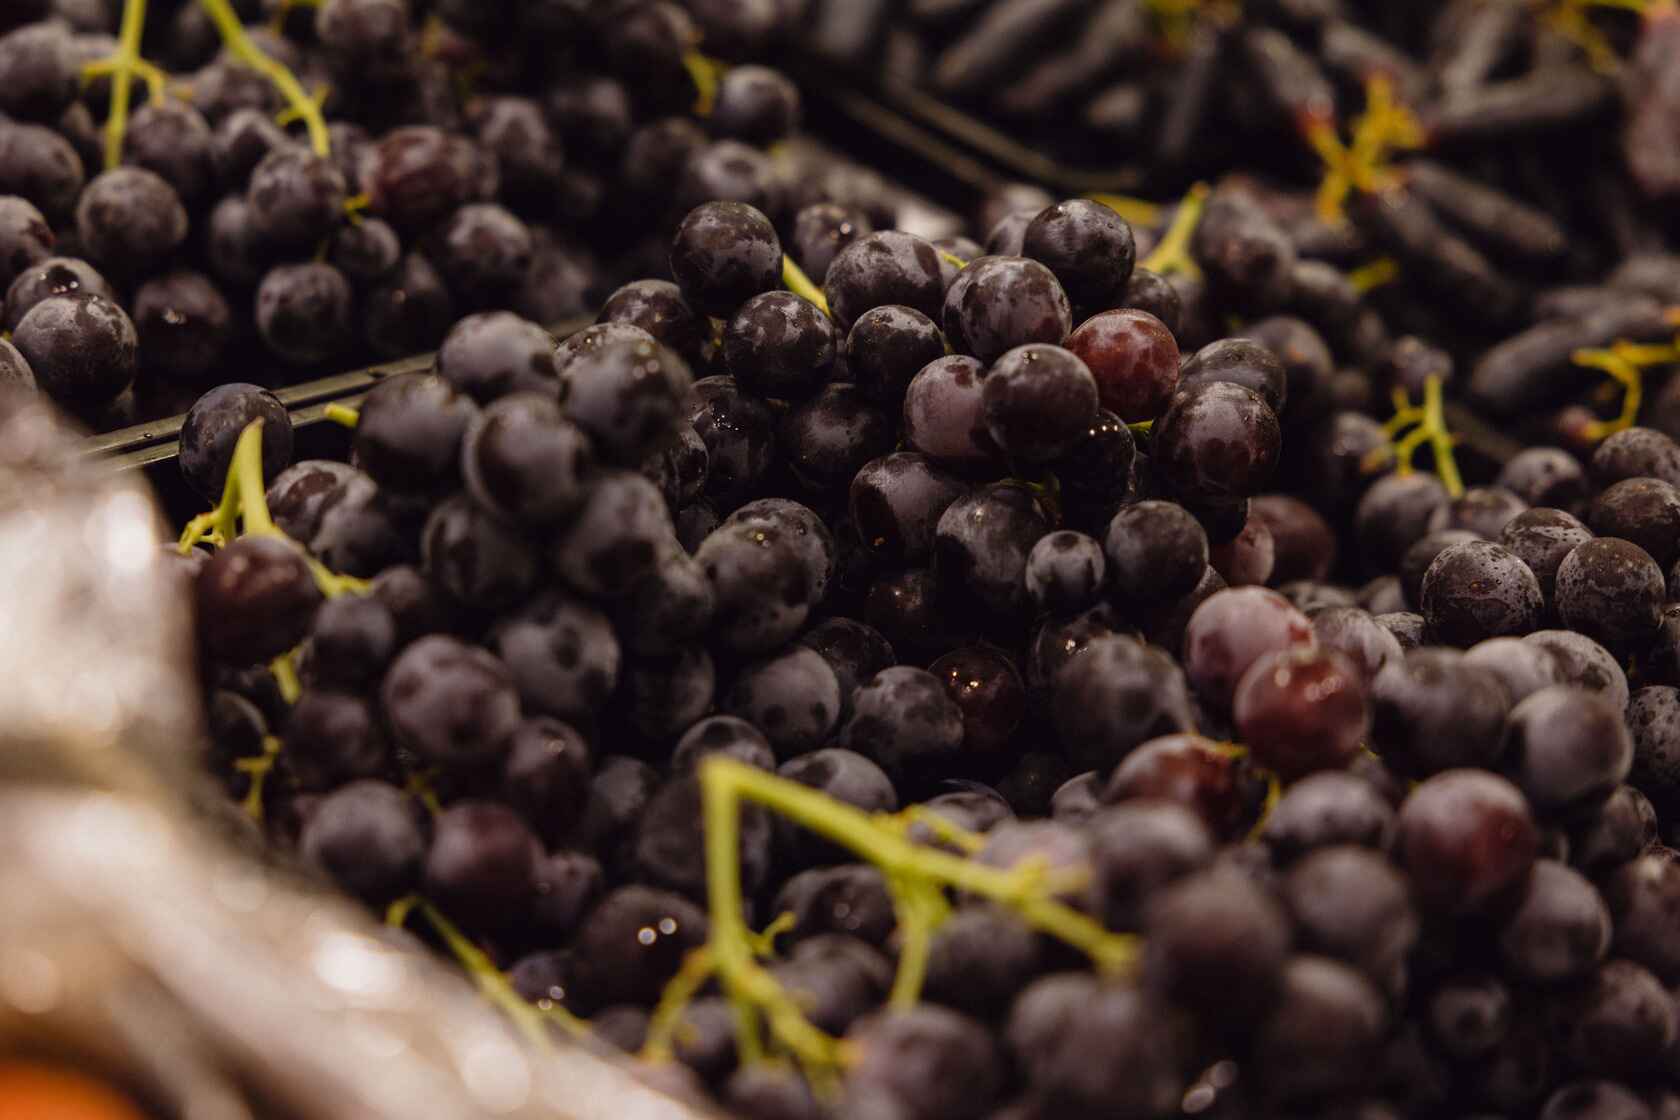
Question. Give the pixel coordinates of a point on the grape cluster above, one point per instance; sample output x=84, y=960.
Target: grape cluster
x=160, y=232
x=1120, y=728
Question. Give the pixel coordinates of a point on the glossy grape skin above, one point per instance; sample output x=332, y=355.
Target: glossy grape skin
x=724, y=253
x=1645, y=511
x=762, y=583
x=256, y=598
x=1542, y=538
x=982, y=541
x=903, y=720
x=1605, y=836
x=820, y=232
x=1582, y=661
x=128, y=219
x=1611, y=590
x=351, y=641
x=988, y=691
x=1231, y=630
x=1007, y=236
x=1133, y=357
x=303, y=312
x=1096, y=472
x=1216, y=442
x=896, y=503
x=1065, y=572
x=332, y=738
x=779, y=345
x=882, y=268
x=1566, y=746
x=451, y=703
x=476, y=557
x=1349, y=902
x=490, y=354
x=1038, y=402
x=368, y=837
x=1433, y=711
x=1545, y=476
x=298, y=493
x=886, y=347
x=755, y=104
x=1302, y=709
x=1114, y=695
x=1416, y=561
x=82, y=349
x=410, y=431
x=943, y=413
x=659, y=308
x=627, y=395
x=999, y=303
x=364, y=528
x=296, y=198
x=1355, y=634
x=1394, y=513
x=793, y=697
x=1479, y=590
x=1558, y=928
x=417, y=174
x=481, y=864
x=828, y=438
x=1090, y=249
x=213, y=426
x=739, y=433
x=1329, y=809
x=619, y=533
x=1155, y=550
x=1465, y=836
x=1239, y=361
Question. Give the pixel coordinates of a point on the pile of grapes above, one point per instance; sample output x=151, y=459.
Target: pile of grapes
x=1066, y=672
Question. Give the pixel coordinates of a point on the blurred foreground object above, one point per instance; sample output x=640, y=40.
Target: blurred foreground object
x=138, y=943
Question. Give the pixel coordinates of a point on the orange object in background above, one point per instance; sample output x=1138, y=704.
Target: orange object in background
x=39, y=1092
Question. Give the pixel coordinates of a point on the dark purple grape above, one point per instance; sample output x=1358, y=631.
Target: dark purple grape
x=1096, y=472
x=477, y=558
x=927, y=1062
x=820, y=232
x=659, y=308
x=779, y=345
x=1523, y=668
x=40, y=165
x=1216, y=442
x=896, y=503
x=999, y=303
x=130, y=220
x=524, y=460
x=213, y=426
x=886, y=347
x=830, y=437
x=739, y=433
x=417, y=174
x=368, y=837
x=303, y=312
x=755, y=104
x=82, y=349
x=903, y=719
x=1645, y=511
x=988, y=690
x=352, y=641
x=1215, y=942
x=1329, y=1022
x=1559, y=928
x=256, y=598
x=1542, y=538
x=1545, y=476
x=1325, y=810
x=494, y=353
x=982, y=542
x=620, y=532
x=793, y=697
x=1394, y=513
x=25, y=238
x=38, y=72
x=1611, y=590
x=296, y=198
x=410, y=431
x=1155, y=550
x=1065, y=572
x=1351, y=903
x=332, y=738
x=729, y=736
x=1566, y=746
x=762, y=582
x=1483, y=510
x=628, y=397
x=1302, y=709
x=1355, y=634
x=409, y=310
x=1114, y=695
x=1432, y=711
x=730, y=171
x=1479, y=590
x=1090, y=249
x=529, y=155
x=1635, y=453
x=1239, y=361
x=1231, y=631
x=451, y=703
x=724, y=253
x=1644, y=895
x=1465, y=836
x=883, y=268
x=1582, y=661
x=1038, y=402
x=1134, y=358
x=184, y=325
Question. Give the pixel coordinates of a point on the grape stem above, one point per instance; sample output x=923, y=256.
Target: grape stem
x=1625, y=364
x=343, y=415
x=1572, y=20
x=1138, y=211
x=258, y=768
x=705, y=72
x=123, y=67
x=1429, y=425
x=1385, y=127
x=800, y=285
x=917, y=876
x=300, y=105
x=1172, y=253
x=245, y=502
x=1374, y=274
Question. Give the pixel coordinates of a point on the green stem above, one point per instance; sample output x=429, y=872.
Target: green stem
x=342, y=415
x=1173, y=252
x=697, y=968
x=800, y=284
x=122, y=78
x=300, y=104
x=1440, y=440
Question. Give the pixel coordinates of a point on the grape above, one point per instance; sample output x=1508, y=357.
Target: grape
x=725, y=253
x=1216, y=442
x=1350, y=903
x=303, y=312
x=730, y=736
x=943, y=413
x=1115, y=695
x=1231, y=630
x=451, y=703
x=1559, y=928
x=1038, y=402
x=367, y=836
x=1542, y=538
x=129, y=218
x=903, y=719
x=886, y=347
x=627, y=396
x=982, y=542
x=897, y=502
x=561, y=654
x=213, y=426
x=1088, y=246
x=1138, y=849
x=1328, y=809
x=1431, y=711
x=1239, y=361
x=1477, y=590
x=296, y=198
x=619, y=533
x=739, y=433
x=82, y=349
x=1483, y=510
x=633, y=941
x=410, y=431
x=1645, y=511
x=755, y=104
x=1216, y=943
x=999, y=303
x=256, y=598
x=779, y=345
x=476, y=558
x=522, y=459
x=1301, y=709
x=1328, y=1023
x=1465, y=836
x=1065, y=572
x=988, y=690
x=794, y=697
x=1134, y=358
x=883, y=268
x=1611, y=590
x=353, y=639
x=1643, y=894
